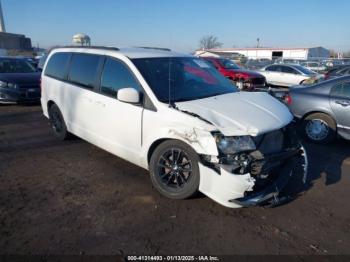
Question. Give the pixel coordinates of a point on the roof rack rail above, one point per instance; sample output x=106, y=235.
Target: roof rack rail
x=92, y=47
x=155, y=48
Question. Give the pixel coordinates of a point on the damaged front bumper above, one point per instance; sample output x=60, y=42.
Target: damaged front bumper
x=239, y=190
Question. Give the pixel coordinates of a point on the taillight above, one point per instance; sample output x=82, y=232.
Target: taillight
x=287, y=99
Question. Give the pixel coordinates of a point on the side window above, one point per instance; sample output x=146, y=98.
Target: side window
x=115, y=76
x=57, y=65
x=346, y=89
x=272, y=68
x=337, y=90
x=83, y=69
x=289, y=70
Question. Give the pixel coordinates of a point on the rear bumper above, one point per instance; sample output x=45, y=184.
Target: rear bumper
x=19, y=95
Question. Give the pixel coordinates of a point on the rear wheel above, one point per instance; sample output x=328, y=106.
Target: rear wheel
x=319, y=128
x=57, y=123
x=174, y=170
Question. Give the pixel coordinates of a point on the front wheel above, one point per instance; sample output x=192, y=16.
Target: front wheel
x=174, y=170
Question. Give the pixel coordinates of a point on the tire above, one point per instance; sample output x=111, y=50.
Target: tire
x=171, y=179
x=319, y=128
x=57, y=123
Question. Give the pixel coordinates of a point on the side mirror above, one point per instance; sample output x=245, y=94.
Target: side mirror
x=128, y=95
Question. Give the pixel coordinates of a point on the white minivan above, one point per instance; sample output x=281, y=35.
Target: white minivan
x=176, y=116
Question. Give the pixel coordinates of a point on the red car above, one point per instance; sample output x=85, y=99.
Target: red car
x=243, y=79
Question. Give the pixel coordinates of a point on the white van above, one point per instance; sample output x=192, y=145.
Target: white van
x=176, y=116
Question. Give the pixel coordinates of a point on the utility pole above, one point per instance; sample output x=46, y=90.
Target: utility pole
x=2, y=22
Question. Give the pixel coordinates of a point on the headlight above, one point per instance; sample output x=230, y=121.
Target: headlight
x=234, y=144
x=4, y=84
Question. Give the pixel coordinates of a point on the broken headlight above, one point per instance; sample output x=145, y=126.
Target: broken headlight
x=234, y=144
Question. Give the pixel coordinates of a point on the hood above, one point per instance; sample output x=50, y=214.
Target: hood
x=248, y=72
x=241, y=113
x=21, y=78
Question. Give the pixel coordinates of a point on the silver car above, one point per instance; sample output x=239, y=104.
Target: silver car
x=324, y=109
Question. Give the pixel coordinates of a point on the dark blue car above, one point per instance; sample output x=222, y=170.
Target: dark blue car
x=19, y=81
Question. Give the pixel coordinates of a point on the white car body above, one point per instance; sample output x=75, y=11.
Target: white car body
x=129, y=131
x=280, y=78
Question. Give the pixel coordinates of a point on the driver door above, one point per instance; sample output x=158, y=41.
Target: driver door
x=117, y=124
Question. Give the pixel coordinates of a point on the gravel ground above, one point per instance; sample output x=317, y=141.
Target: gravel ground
x=74, y=198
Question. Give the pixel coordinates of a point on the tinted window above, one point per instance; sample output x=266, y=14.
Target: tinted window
x=346, y=89
x=83, y=69
x=273, y=68
x=342, y=89
x=337, y=90
x=116, y=76
x=304, y=70
x=10, y=65
x=57, y=65
x=289, y=70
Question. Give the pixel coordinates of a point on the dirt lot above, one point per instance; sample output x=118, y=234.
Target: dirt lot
x=74, y=198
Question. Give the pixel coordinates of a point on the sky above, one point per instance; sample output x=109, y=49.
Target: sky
x=179, y=24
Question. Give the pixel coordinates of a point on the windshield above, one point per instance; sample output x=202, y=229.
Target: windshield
x=15, y=66
x=182, y=78
x=304, y=70
x=228, y=64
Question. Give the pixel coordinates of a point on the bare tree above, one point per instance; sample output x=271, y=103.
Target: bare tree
x=209, y=42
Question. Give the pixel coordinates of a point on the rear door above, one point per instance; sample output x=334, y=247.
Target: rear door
x=340, y=104
x=80, y=90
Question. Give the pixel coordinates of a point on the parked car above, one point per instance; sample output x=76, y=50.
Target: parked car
x=337, y=72
x=19, y=81
x=242, y=78
x=286, y=61
x=287, y=74
x=314, y=66
x=176, y=116
x=323, y=109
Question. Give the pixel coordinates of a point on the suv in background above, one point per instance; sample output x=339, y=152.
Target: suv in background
x=176, y=116
x=242, y=78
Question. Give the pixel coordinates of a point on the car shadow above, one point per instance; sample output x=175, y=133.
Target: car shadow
x=324, y=162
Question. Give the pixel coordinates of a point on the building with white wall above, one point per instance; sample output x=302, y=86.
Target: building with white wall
x=301, y=53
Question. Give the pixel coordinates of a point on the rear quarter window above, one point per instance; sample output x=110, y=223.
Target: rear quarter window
x=84, y=69
x=57, y=65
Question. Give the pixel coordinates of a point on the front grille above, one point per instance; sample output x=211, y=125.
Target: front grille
x=28, y=86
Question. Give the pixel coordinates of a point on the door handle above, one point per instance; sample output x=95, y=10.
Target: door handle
x=343, y=103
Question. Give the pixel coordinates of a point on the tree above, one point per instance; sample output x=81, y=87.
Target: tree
x=209, y=42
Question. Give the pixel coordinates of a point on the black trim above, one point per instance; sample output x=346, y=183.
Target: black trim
x=95, y=83
x=146, y=102
x=88, y=47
